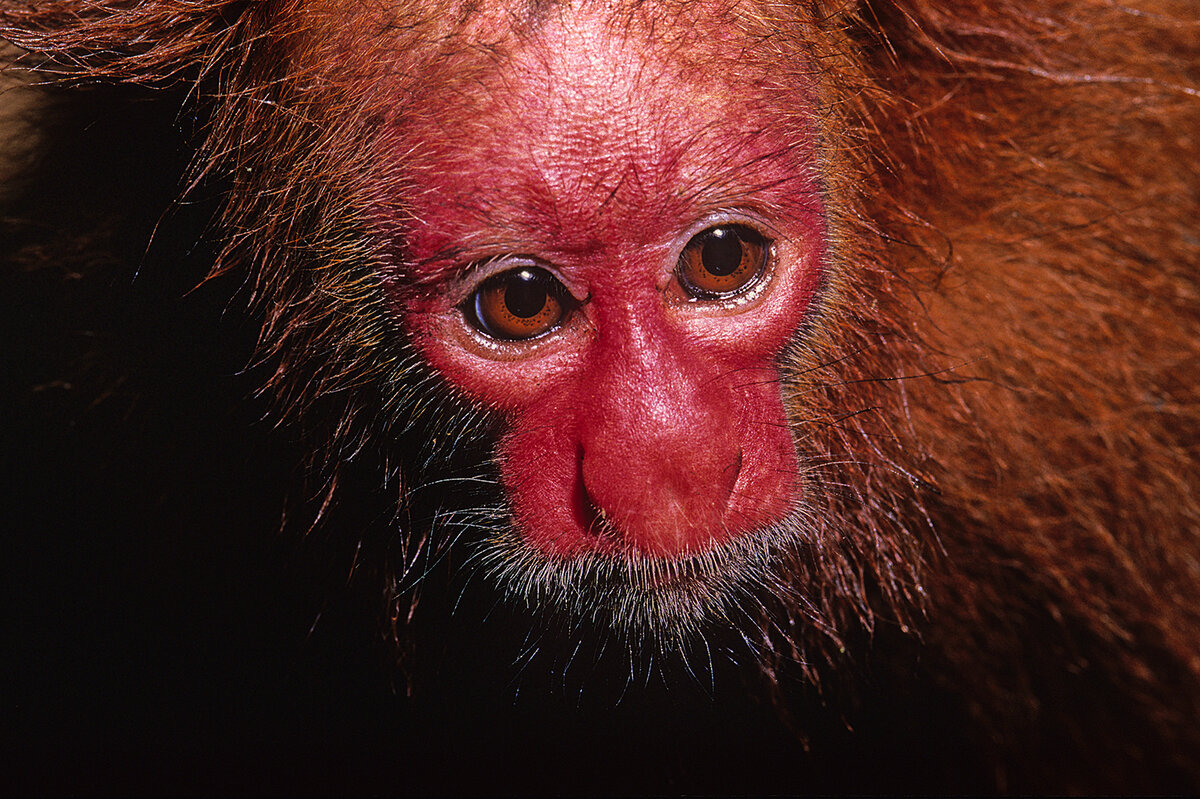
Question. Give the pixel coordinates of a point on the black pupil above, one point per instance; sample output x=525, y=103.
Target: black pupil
x=722, y=252
x=525, y=294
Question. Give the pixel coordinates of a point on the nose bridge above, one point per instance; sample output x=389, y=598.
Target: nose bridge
x=659, y=444
x=646, y=367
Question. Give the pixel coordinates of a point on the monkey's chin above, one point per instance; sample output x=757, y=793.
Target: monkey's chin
x=645, y=600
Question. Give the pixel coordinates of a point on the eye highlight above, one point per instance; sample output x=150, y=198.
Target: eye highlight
x=722, y=261
x=518, y=304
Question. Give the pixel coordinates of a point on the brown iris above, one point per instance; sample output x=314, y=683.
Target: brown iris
x=722, y=261
x=518, y=304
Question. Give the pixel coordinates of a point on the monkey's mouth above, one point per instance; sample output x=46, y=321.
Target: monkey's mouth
x=642, y=597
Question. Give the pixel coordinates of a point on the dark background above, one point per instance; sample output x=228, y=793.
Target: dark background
x=163, y=630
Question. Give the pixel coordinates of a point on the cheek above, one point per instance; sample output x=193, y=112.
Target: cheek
x=769, y=485
x=482, y=370
x=540, y=462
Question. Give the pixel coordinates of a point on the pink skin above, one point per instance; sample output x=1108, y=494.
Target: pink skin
x=648, y=423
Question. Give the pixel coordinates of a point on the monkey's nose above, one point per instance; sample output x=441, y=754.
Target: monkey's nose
x=660, y=499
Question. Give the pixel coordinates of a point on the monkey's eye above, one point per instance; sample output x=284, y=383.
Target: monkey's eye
x=722, y=261
x=518, y=304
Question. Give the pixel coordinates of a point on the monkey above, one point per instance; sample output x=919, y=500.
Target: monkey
x=822, y=343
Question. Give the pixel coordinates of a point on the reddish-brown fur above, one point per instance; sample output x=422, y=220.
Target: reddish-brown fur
x=1002, y=409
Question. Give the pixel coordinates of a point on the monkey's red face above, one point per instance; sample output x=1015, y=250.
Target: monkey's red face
x=612, y=249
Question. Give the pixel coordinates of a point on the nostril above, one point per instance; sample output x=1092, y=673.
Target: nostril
x=589, y=515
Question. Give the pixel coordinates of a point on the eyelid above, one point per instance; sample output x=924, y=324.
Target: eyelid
x=478, y=272
x=728, y=216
